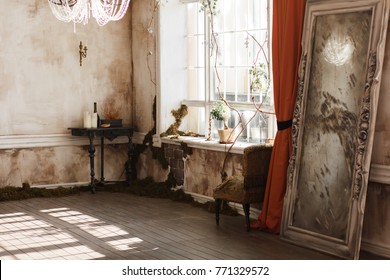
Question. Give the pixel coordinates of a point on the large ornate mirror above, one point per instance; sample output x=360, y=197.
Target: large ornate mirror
x=334, y=118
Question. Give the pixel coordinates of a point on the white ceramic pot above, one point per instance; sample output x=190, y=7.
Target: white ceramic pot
x=226, y=135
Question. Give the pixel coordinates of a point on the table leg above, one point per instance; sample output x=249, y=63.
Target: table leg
x=102, y=160
x=91, y=150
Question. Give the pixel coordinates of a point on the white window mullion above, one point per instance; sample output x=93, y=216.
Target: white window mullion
x=233, y=22
x=207, y=73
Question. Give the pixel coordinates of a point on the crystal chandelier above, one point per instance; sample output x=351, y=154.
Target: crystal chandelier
x=79, y=11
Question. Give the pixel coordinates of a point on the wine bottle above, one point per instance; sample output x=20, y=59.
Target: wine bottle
x=95, y=111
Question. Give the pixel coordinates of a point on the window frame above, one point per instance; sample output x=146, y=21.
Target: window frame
x=163, y=106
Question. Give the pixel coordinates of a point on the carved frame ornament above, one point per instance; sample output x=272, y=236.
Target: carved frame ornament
x=333, y=124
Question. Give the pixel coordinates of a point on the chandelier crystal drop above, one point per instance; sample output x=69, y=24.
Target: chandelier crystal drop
x=80, y=11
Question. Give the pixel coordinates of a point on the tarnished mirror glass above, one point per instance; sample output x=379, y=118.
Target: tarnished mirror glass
x=342, y=53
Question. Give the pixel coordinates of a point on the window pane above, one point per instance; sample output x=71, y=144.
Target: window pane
x=222, y=68
x=242, y=85
x=201, y=84
x=195, y=120
x=192, y=51
x=258, y=127
x=230, y=84
x=192, y=18
x=200, y=50
x=243, y=49
x=261, y=8
x=229, y=14
x=192, y=83
x=195, y=84
x=242, y=9
x=229, y=49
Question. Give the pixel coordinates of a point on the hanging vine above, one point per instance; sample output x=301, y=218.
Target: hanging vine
x=259, y=76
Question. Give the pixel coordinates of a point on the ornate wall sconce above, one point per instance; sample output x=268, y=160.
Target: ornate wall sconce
x=83, y=52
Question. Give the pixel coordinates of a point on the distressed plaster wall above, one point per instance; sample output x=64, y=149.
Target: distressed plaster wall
x=144, y=59
x=376, y=227
x=147, y=166
x=59, y=165
x=43, y=89
x=202, y=170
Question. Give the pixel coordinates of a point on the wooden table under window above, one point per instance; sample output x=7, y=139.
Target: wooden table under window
x=109, y=133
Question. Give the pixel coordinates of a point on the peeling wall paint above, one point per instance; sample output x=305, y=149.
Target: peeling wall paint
x=148, y=167
x=59, y=165
x=202, y=169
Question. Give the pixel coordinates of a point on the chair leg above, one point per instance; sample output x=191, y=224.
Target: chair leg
x=246, y=206
x=217, y=208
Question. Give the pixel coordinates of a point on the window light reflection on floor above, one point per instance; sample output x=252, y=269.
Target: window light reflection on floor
x=125, y=244
x=24, y=236
x=97, y=228
x=89, y=224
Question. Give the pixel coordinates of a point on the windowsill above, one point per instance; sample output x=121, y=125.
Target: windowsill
x=204, y=144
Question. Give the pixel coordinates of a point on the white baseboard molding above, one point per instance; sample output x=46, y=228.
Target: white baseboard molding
x=55, y=140
x=64, y=185
x=377, y=249
x=380, y=173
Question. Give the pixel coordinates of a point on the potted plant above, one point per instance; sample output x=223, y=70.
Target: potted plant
x=221, y=112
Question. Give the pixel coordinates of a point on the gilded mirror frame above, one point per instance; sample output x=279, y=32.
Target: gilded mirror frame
x=333, y=125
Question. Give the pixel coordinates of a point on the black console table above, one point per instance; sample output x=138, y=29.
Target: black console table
x=110, y=133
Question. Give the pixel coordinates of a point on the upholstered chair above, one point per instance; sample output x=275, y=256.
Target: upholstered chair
x=249, y=187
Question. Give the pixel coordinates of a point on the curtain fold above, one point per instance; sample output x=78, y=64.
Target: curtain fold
x=287, y=25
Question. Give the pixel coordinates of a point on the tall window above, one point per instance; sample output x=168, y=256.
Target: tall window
x=223, y=56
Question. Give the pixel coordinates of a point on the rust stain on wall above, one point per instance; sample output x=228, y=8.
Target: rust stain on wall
x=115, y=105
x=35, y=6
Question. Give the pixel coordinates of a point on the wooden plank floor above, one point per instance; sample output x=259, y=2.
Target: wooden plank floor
x=124, y=226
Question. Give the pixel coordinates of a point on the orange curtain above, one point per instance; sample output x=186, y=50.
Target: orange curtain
x=287, y=28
